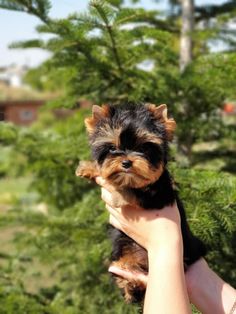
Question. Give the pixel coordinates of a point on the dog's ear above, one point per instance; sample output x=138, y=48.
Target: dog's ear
x=98, y=113
x=160, y=113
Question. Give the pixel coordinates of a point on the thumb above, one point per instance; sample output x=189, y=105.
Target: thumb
x=129, y=275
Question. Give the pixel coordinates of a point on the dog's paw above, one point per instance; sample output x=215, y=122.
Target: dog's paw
x=87, y=169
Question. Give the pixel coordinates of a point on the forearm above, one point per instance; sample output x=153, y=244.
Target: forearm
x=207, y=291
x=166, y=289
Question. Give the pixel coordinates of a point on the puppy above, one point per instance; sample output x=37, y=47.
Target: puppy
x=129, y=145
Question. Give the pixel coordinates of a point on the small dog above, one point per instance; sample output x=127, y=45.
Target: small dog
x=130, y=150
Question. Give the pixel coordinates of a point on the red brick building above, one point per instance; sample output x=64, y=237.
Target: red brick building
x=20, y=112
x=21, y=106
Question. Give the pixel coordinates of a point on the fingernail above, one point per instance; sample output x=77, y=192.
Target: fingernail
x=111, y=269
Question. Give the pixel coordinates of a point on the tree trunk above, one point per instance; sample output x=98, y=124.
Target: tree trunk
x=186, y=55
x=187, y=27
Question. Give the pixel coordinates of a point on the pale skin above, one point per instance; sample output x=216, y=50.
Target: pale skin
x=169, y=289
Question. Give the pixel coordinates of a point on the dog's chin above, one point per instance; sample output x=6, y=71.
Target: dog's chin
x=127, y=179
x=139, y=175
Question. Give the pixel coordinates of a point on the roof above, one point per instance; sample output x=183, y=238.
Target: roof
x=10, y=103
x=8, y=93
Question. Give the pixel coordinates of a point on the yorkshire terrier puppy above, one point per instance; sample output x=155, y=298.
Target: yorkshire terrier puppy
x=130, y=150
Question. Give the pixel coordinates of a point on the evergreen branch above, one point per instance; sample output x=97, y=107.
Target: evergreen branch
x=39, y=8
x=114, y=48
x=211, y=11
x=33, y=43
x=116, y=3
x=99, y=7
x=128, y=15
x=87, y=20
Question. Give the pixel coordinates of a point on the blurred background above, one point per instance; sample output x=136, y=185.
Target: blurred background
x=57, y=58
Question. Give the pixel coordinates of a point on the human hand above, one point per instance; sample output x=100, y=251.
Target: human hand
x=159, y=232
x=151, y=229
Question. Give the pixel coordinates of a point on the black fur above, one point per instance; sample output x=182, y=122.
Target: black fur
x=131, y=117
x=156, y=196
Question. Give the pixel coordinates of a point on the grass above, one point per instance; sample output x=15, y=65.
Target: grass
x=33, y=274
x=218, y=156
x=12, y=189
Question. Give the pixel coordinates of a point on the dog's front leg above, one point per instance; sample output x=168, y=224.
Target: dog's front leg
x=87, y=169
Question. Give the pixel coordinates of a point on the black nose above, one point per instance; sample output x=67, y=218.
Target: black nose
x=126, y=164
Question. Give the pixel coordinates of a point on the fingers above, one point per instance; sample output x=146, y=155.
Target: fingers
x=115, y=223
x=116, y=220
x=114, y=211
x=104, y=184
x=112, y=198
x=107, y=196
x=100, y=181
x=127, y=274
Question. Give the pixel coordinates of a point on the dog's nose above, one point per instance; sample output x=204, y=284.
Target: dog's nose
x=126, y=163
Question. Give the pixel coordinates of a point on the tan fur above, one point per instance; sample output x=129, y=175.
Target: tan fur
x=112, y=168
x=109, y=135
x=98, y=113
x=139, y=175
x=160, y=113
x=129, y=287
x=133, y=260
x=87, y=169
x=90, y=170
x=144, y=137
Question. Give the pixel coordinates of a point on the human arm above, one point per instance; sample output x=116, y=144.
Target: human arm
x=207, y=291
x=159, y=232
x=166, y=289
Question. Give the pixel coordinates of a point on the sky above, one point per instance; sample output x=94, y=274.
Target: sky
x=17, y=26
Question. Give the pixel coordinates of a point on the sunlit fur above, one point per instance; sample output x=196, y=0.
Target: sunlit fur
x=141, y=174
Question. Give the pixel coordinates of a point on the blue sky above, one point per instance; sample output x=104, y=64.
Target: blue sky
x=17, y=26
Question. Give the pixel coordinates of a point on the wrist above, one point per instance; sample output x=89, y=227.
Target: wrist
x=170, y=252
x=167, y=241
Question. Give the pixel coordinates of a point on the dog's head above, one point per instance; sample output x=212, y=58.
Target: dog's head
x=130, y=142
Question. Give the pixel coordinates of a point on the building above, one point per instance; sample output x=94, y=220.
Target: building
x=20, y=105
x=20, y=112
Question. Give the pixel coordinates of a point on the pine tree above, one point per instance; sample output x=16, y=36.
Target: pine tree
x=113, y=53
x=200, y=26
x=72, y=239
x=98, y=47
x=98, y=56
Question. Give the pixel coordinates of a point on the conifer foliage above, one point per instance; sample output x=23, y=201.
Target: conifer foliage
x=114, y=52
x=103, y=53
x=110, y=53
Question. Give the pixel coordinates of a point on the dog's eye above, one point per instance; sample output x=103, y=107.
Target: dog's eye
x=152, y=152
x=100, y=152
x=112, y=148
